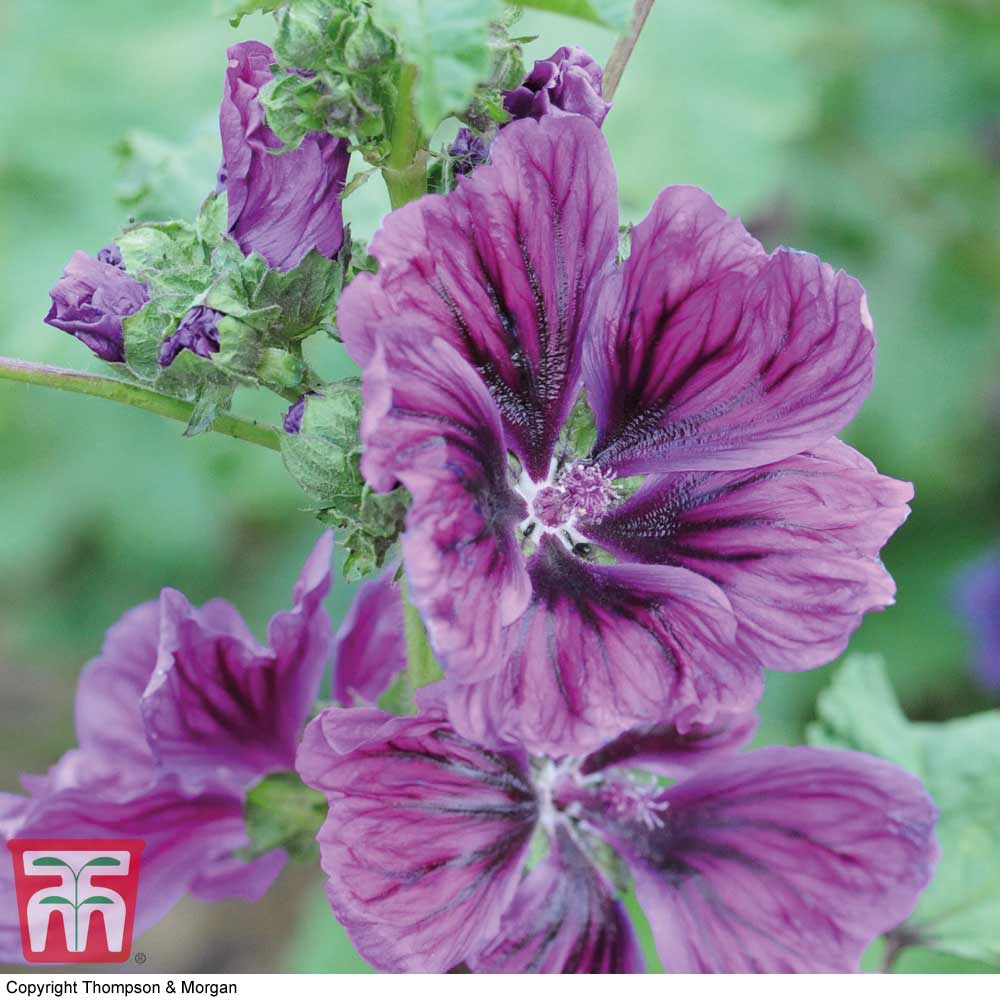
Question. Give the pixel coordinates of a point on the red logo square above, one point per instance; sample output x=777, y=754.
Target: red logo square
x=76, y=897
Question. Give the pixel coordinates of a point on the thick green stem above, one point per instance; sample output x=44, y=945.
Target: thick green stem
x=133, y=395
x=620, y=54
x=405, y=170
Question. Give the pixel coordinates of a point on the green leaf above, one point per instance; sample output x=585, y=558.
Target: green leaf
x=56, y=899
x=103, y=862
x=214, y=397
x=236, y=10
x=280, y=811
x=448, y=41
x=49, y=862
x=97, y=901
x=421, y=666
x=959, y=761
x=614, y=14
x=282, y=305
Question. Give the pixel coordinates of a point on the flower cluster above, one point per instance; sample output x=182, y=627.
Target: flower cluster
x=777, y=860
x=627, y=499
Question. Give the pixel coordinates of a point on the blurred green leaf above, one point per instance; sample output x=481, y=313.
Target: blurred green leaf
x=609, y=13
x=959, y=761
x=448, y=43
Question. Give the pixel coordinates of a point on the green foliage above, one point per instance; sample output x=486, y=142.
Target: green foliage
x=609, y=13
x=959, y=761
x=353, y=70
x=448, y=41
x=324, y=458
x=282, y=812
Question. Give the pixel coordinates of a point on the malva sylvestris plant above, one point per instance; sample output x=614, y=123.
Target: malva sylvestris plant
x=596, y=489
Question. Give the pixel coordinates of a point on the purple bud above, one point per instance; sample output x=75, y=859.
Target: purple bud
x=281, y=205
x=468, y=151
x=92, y=298
x=293, y=418
x=111, y=255
x=197, y=332
x=568, y=82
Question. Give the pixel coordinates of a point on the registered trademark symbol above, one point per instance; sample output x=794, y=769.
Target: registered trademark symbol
x=139, y=958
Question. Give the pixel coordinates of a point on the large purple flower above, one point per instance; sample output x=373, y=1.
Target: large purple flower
x=182, y=710
x=979, y=604
x=281, y=205
x=778, y=860
x=92, y=298
x=714, y=525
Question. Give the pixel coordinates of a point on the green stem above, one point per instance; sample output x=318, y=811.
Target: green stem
x=620, y=54
x=405, y=170
x=133, y=395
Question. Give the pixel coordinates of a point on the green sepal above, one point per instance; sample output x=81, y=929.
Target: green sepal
x=959, y=762
x=213, y=397
x=282, y=306
x=281, y=812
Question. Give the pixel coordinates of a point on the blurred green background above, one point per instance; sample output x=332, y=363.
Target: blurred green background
x=866, y=132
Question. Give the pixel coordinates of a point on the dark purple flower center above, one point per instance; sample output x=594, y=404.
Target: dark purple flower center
x=583, y=492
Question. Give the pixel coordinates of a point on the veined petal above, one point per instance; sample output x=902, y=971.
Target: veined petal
x=601, y=649
x=663, y=749
x=786, y=859
x=108, y=714
x=564, y=919
x=713, y=356
x=371, y=642
x=430, y=423
x=794, y=545
x=507, y=269
x=221, y=707
x=426, y=836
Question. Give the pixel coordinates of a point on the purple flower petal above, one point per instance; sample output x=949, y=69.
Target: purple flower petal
x=506, y=269
x=221, y=707
x=712, y=356
x=426, y=834
x=601, y=649
x=109, y=722
x=430, y=423
x=794, y=545
x=90, y=301
x=371, y=642
x=564, y=919
x=664, y=749
x=979, y=603
x=787, y=859
x=280, y=205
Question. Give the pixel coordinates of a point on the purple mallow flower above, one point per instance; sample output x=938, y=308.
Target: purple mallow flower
x=283, y=205
x=181, y=712
x=568, y=82
x=715, y=526
x=979, y=604
x=197, y=332
x=777, y=860
x=92, y=298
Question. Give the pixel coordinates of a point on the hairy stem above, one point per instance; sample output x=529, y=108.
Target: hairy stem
x=405, y=170
x=133, y=395
x=622, y=51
